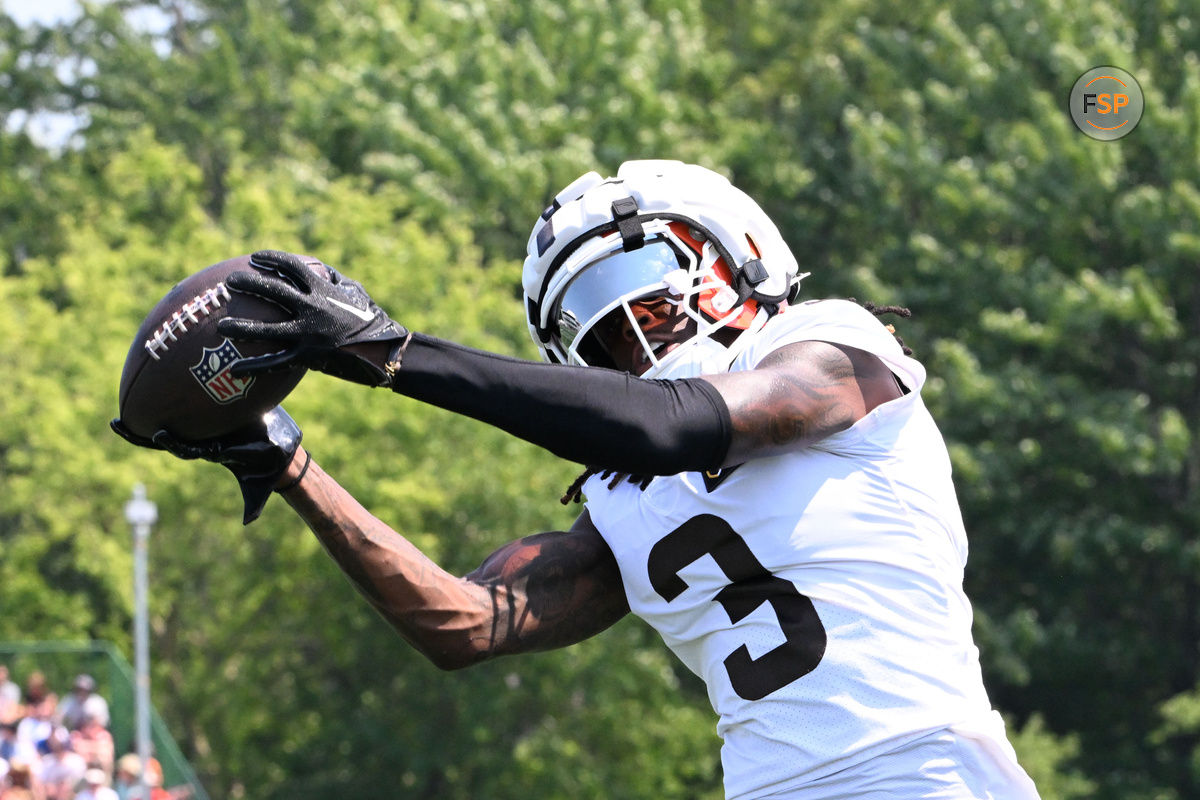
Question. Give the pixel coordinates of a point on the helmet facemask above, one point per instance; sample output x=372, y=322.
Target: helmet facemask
x=596, y=290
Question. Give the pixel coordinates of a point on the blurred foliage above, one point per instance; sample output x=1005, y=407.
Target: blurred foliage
x=917, y=154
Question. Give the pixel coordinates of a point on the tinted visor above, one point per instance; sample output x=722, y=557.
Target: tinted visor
x=598, y=287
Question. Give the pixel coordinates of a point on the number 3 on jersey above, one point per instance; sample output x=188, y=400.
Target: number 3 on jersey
x=750, y=585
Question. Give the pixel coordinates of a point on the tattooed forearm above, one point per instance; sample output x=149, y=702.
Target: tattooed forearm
x=540, y=592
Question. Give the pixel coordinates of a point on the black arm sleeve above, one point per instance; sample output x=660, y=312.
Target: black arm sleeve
x=597, y=417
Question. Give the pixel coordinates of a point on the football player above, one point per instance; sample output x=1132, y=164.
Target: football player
x=765, y=487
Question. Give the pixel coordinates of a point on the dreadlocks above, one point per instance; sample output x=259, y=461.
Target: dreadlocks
x=574, y=493
x=899, y=311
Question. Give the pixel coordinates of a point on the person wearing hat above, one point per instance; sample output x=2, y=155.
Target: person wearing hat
x=81, y=702
x=127, y=772
x=96, y=786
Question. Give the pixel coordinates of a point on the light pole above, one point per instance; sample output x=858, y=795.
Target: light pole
x=141, y=513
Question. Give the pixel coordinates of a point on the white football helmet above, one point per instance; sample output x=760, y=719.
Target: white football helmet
x=658, y=229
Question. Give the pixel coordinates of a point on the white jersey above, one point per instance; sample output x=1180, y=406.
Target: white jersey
x=819, y=593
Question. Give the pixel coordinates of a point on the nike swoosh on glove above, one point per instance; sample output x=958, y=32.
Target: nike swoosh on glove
x=329, y=313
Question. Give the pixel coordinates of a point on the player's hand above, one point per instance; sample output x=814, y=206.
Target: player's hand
x=257, y=455
x=328, y=315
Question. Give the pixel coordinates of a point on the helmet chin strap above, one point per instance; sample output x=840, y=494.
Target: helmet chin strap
x=703, y=354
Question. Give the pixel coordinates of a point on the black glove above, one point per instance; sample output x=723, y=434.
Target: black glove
x=328, y=315
x=257, y=455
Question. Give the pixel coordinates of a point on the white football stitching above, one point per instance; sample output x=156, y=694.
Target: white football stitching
x=178, y=321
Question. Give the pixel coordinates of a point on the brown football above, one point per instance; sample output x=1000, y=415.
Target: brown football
x=176, y=375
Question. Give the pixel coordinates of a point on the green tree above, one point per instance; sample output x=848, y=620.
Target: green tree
x=919, y=155
x=931, y=162
x=276, y=678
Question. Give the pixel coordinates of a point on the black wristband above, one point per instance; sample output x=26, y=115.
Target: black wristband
x=292, y=484
x=598, y=417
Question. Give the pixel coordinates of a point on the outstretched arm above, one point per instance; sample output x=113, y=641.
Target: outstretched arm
x=602, y=418
x=537, y=593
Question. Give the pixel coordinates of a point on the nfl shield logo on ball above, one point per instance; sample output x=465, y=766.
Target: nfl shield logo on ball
x=213, y=373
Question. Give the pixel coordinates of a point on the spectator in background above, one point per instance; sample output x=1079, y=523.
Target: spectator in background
x=35, y=728
x=8, y=740
x=82, y=700
x=96, y=786
x=61, y=767
x=129, y=771
x=125, y=779
x=154, y=779
x=10, y=697
x=93, y=741
x=12, y=748
x=39, y=700
x=23, y=783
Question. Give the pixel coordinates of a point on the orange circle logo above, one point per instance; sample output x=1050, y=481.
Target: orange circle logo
x=1106, y=103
